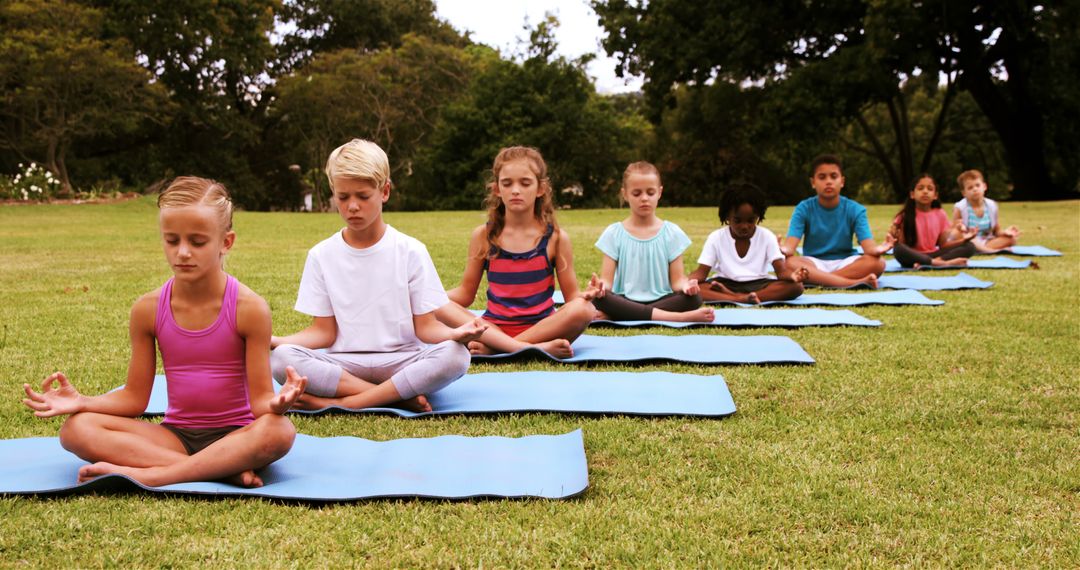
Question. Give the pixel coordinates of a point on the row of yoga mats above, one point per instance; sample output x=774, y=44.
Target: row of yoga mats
x=459, y=467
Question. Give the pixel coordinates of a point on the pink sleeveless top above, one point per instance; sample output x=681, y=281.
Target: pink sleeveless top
x=205, y=369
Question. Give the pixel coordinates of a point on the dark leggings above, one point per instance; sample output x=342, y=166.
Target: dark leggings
x=619, y=308
x=908, y=257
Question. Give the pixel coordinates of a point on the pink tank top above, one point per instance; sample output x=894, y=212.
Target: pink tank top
x=205, y=369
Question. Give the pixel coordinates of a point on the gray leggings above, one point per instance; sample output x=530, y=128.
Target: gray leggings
x=619, y=308
x=908, y=257
x=412, y=372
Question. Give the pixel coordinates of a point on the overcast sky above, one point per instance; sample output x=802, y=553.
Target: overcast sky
x=500, y=24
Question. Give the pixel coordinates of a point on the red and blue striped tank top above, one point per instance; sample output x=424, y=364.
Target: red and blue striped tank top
x=520, y=285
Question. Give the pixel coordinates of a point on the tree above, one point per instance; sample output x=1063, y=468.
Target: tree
x=392, y=96
x=833, y=60
x=61, y=82
x=543, y=101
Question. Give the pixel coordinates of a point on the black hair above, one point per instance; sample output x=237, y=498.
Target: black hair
x=825, y=159
x=739, y=194
x=909, y=231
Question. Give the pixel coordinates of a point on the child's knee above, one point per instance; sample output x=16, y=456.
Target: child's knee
x=580, y=310
x=455, y=358
x=275, y=436
x=73, y=434
x=283, y=356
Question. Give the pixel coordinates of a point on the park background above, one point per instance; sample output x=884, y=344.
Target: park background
x=948, y=437
x=105, y=97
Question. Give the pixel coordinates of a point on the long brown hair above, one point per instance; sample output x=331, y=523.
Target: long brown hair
x=543, y=208
x=909, y=231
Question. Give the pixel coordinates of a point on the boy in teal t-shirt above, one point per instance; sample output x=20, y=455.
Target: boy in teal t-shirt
x=826, y=223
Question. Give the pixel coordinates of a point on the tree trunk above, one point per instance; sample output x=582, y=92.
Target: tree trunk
x=1012, y=113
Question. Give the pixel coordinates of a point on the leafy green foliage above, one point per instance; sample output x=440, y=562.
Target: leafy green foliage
x=63, y=84
x=544, y=101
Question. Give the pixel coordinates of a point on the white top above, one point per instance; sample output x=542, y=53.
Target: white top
x=719, y=254
x=373, y=293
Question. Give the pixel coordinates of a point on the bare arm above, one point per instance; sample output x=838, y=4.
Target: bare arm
x=430, y=330
x=944, y=242
x=789, y=246
x=679, y=281
x=785, y=273
x=871, y=247
x=607, y=271
x=564, y=267
x=253, y=324
x=129, y=401
x=321, y=333
x=701, y=273
x=465, y=293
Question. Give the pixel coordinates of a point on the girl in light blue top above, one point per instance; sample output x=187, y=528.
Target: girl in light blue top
x=642, y=272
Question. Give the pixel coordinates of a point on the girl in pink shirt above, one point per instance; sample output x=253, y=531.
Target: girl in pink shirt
x=922, y=230
x=223, y=421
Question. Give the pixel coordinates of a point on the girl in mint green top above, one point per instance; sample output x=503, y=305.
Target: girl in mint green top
x=642, y=272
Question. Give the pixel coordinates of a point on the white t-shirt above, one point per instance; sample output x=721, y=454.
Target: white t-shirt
x=719, y=254
x=373, y=293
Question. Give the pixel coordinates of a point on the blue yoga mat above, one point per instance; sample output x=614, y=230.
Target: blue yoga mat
x=1032, y=251
x=345, y=469
x=746, y=318
x=749, y=318
x=994, y=263
x=698, y=349
x=923, y=283
x=586, y=392
x=903, y=297
x=1025, y=250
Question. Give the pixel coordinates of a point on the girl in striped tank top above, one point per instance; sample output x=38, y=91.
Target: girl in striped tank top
x=523, y=251
x=223, y=421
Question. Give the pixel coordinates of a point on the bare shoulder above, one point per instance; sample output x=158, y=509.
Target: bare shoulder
x=144, y=310
x=249, y=302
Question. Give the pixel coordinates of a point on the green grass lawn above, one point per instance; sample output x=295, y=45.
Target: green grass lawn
x=949, y=436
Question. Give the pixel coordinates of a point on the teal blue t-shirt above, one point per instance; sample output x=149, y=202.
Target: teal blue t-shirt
x=826, y=233
x=642, y=271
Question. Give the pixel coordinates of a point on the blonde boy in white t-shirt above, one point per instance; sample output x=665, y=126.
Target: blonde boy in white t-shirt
x=742, y=254
x=373, y=292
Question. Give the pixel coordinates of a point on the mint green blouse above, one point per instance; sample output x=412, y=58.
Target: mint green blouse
x=642, y=272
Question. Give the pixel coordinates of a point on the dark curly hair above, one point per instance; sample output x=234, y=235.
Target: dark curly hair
x=740, y=194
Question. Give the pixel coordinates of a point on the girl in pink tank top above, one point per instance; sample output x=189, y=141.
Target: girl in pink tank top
x=223, y=421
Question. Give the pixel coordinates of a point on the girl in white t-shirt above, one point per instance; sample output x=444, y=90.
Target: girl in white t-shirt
x=742, y=254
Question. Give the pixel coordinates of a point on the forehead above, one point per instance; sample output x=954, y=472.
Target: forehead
x=348, y=184
x=642, y=180
x=743, y=209
x=190, y=219
x=517, y=168
x=972, y=181
x=925, y=181
x=827, y=170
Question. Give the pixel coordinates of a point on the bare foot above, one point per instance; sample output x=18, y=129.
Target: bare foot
x=477, y=347
x=700, y=315
x=248, y=479
x=559, y=348
x=600, y=316
x=143, y=475
x=916, y=266
x=957, y=262
x=870, y=281
x=752, y=299
x=415, y=404
x=312, y=402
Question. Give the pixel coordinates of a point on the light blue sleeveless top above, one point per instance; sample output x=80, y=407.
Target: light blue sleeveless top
x=642, y=273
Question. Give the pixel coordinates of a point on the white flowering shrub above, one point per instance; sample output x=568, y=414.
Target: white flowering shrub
x=33, y=183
